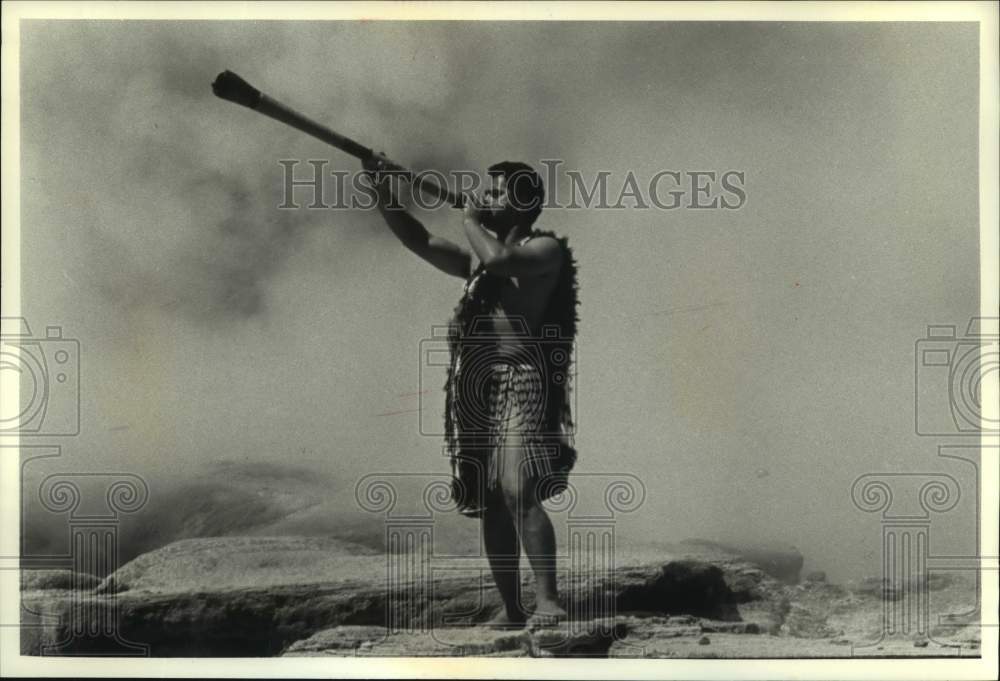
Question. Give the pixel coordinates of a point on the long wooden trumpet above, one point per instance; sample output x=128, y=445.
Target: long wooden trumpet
x=231, y=87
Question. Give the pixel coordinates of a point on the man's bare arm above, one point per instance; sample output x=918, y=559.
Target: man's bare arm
x=539, y=256
x=445, y=255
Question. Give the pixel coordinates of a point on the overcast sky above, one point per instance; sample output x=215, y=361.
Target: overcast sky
x=747, y=364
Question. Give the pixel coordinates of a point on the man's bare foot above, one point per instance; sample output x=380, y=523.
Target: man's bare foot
x=472, y=511
x=503, y=621
x=547, y=613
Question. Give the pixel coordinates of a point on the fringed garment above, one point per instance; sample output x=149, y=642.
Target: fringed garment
x=516, y=397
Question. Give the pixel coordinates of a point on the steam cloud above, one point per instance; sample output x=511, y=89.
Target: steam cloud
x=712, y=346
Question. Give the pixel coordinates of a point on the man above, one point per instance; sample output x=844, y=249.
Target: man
x=507, y=415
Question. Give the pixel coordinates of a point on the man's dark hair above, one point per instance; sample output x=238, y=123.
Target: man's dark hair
x=525, y=189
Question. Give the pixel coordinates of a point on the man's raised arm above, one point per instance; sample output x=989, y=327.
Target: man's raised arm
x=445, y=255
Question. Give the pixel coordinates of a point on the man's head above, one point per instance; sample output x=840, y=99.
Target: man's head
x=514, y=196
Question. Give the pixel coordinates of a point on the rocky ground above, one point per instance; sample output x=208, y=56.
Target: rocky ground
x=309, y=596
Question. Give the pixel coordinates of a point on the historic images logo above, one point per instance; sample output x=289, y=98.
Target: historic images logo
x=950, y=373
x=84, y=619
x=311, y=185
x=440, y=594
x=47, y=370
x=545, y=355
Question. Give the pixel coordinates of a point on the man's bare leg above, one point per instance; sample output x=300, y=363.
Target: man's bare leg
x=504, y=554
x=535, y=531
x=539, y=542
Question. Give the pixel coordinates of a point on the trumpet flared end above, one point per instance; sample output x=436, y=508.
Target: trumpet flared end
x=231, y=87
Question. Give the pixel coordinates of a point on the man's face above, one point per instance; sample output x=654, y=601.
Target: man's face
x=497, y=213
